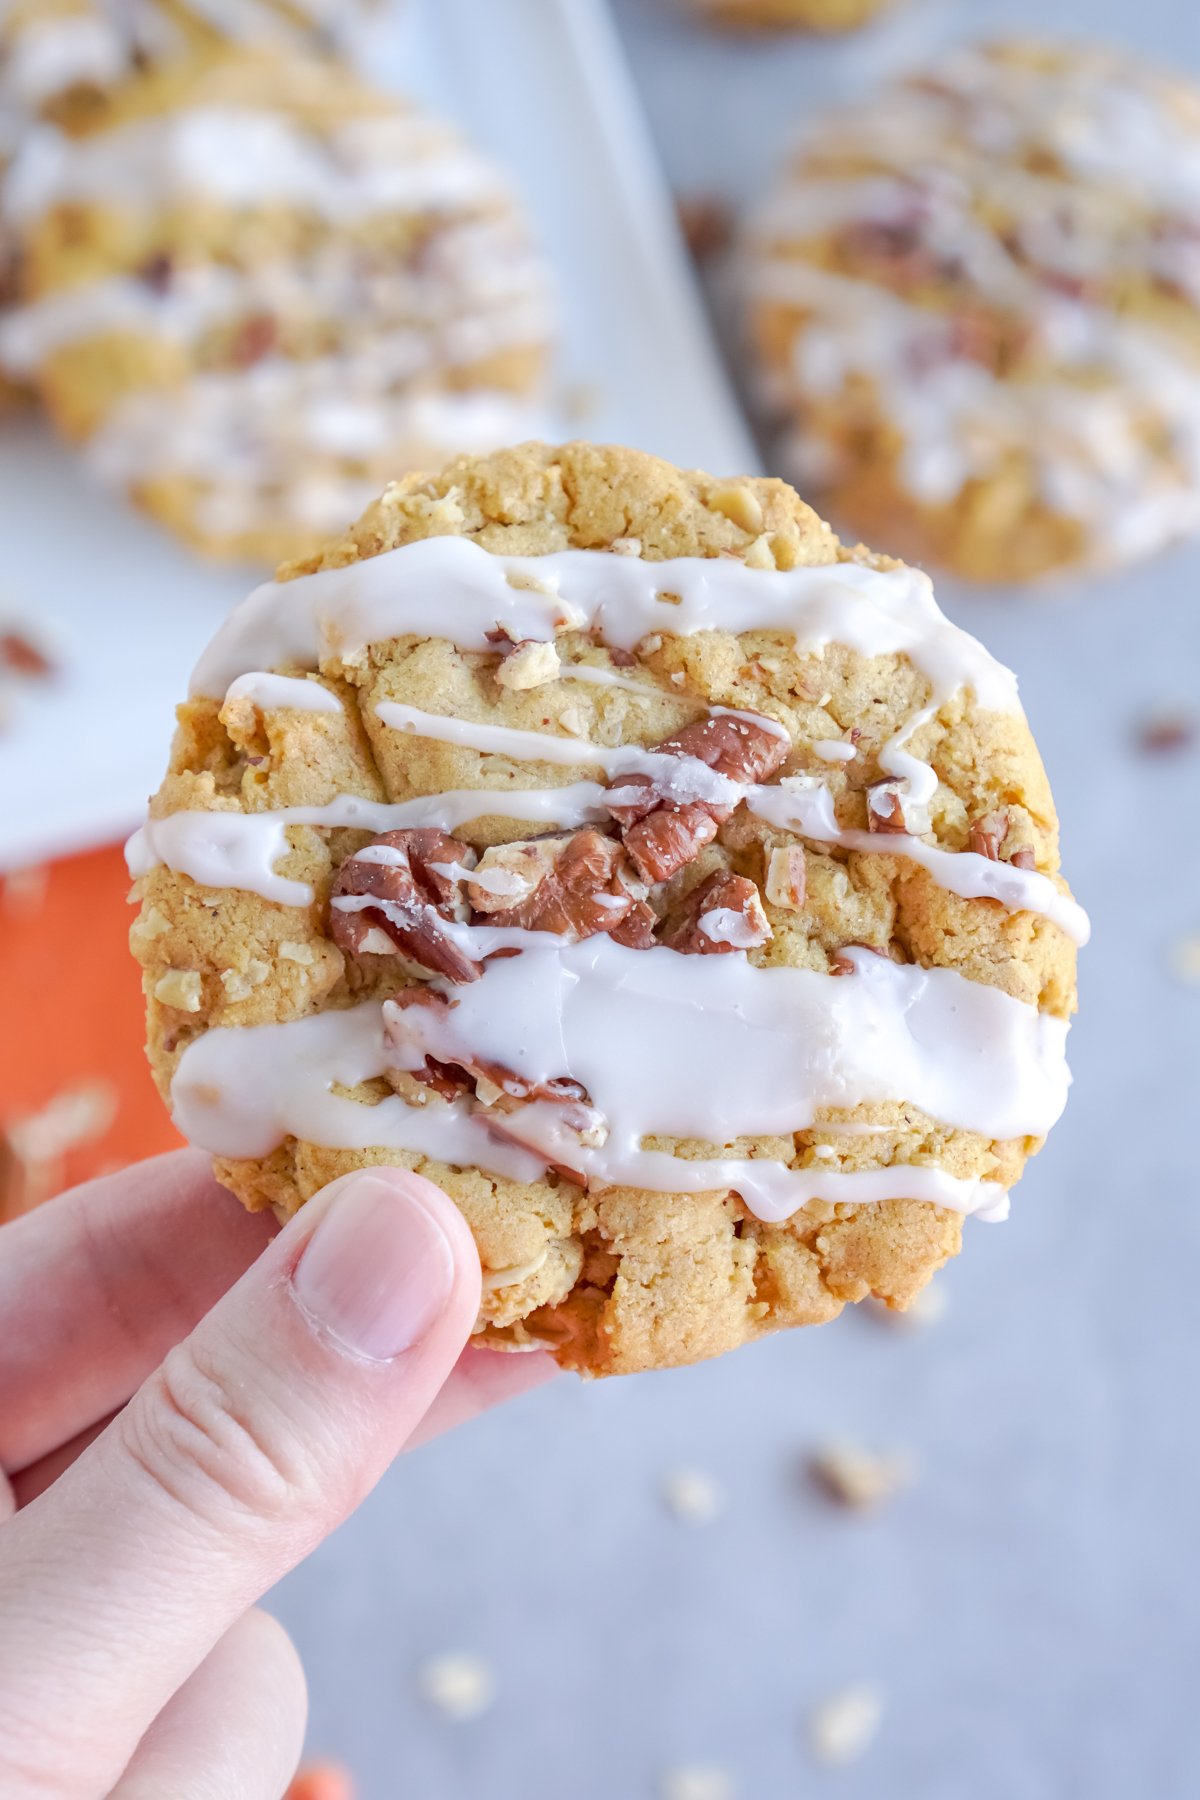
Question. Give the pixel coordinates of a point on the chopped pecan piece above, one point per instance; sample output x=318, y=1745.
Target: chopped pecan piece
x=575, y=885
x=724, y=913
x=22, y=655
x=885, y=807
x=664, y=832
x=1167, y=731
x=734, y=747
x=787, y=879
x=1024, y=858
x=636, y=930
x=411, y=894
x=444, y=1078
x=158, y=272
x=666, y=840
x=555, y=1134
x=706, y=223
x=455, y=1064
x=256, y=337
x=987, y=834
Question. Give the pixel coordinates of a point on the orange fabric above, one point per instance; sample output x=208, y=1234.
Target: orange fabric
x=323, y=1781
x=75, y=1089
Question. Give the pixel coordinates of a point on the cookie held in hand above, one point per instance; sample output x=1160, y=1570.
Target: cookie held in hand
x=674, y=885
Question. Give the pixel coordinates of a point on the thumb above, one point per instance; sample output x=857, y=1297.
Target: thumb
x=257, y=1435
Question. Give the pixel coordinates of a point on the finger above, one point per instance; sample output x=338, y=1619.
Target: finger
x=97, y=1285
x=235, y=1729
x=480, y=1380
x=27, y=1484
x=260, y=1432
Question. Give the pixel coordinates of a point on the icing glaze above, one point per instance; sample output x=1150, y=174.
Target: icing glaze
x=631, y=1025
x=283, y=692
x=478, y=291
x=251, y=438
x=241, y=157
x=45, y=57
x=451, y=588
x=228, y=849
x=235, y=849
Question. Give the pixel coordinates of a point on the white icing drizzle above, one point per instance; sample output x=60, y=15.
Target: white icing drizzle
x=239, y=850
x=449, y=587
x=479, y=290
x=1113, y=432
x=804, y=805
x=295, y=445
x=45, y=57
x=283, y=693
x=241, y=157
x=683, y=778
x=229, y=849
x=632, y=1026
x=833, y=750
x=265, y=443
x=722, y=925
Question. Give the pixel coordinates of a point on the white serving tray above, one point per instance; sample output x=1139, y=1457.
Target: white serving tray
x=542, y=84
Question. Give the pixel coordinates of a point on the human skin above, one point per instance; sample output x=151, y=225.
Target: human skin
x=190, y=1401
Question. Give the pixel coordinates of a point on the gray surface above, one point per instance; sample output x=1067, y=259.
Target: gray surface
x=1030, y=1605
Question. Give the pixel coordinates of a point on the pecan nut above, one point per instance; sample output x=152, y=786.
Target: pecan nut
x=987, y=834
x=418, y=1029
x=669, y=838
x=787, y=878
x=395, y=895
x=664, y=832
x=575, y=884
x=445, y=1078
x=723, y=913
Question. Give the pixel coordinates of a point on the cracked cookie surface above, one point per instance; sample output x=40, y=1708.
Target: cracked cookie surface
x=694, y=860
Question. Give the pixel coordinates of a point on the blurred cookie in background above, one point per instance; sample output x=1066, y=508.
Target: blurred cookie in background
x=253, y=289
x=794, y=15
x=974, y=309
x=57, y=57
x=164, y=28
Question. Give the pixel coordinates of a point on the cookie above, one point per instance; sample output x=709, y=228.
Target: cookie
x=673, y=884
x=794, y=15
x=254, y=289
x=166, y=29
x=974, y=311
x=56, y=58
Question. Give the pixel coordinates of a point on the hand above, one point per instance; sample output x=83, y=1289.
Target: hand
x=129, y=1663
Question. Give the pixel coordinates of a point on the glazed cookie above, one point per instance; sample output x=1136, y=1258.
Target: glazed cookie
x=674, y=885
x=974, y=302
x=163, y=29
x=254, y=289
x=793, y=15
x=56, y=58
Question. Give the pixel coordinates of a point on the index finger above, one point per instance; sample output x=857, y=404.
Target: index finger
x=97, y=1285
